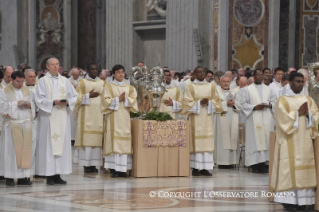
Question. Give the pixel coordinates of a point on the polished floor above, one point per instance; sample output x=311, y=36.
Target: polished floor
x=100, y=192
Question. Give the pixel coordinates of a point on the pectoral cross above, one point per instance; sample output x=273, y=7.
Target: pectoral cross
x=259, y=131
x=62, y=92
x=55, y=136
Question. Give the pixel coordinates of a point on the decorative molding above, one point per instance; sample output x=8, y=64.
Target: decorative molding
x=310, y=26
x=249, y=13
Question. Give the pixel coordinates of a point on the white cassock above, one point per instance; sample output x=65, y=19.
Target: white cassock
x=304, y=196
x=233, y=85
x=225, y=131
x=48, y=164
x=260, y=130
x=183, y=85
x=8, y=162
x=73, y=121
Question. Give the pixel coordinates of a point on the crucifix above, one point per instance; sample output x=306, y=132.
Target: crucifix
x=55, y=136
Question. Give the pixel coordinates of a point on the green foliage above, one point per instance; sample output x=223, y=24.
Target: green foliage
x=135, y=115
x=157, y=116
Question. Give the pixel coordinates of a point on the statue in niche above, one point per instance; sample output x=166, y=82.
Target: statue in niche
x=50, y=27
x=49, y=22
x=156, y=9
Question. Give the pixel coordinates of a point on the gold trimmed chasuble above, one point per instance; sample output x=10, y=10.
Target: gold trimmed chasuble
x=117, y=138
x=89, y=130
x=201, y=124
x=294, y=162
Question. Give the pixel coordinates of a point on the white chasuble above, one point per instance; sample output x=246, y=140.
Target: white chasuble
x=262, y=118
x=57, y=128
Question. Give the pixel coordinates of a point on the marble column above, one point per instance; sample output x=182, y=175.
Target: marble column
x=67, y=35
x=291, y=41
x=9, y=32
x=32, y=49
x=119, y=33
x=223, y=22
x=273, y=39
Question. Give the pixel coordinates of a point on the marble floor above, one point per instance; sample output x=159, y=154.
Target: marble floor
x=100, y=192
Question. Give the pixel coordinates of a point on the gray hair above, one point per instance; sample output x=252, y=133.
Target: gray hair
x=26, y=71
x=249, y=80
x=224, y=76
x=304, y=72
x=48, y=61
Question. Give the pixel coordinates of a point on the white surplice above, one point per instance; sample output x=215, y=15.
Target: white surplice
x=119, y=162
x=252, y=155
x=304, y=196
x=46, y=163
x=4, y=84
x=8, y=163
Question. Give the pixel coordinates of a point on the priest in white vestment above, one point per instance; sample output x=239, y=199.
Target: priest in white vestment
x=89, y=133
x=226, y=126
x=183, y=84
x=74, y=79
x=8, y=70
x=294, y=168
x=30, y=78
x=283, y=83
x=256, y=101
x=18, y=141
x=200, y=102
x=172, y=99
x=118, y=99
x=55, y=97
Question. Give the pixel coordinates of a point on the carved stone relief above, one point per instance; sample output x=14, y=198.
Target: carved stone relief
x=156, y=9
x=311, y=28
x=249, y=12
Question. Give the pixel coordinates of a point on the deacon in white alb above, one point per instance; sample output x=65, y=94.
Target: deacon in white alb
x=55, y=97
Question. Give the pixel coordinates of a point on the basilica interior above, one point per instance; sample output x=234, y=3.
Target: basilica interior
x=179, y=34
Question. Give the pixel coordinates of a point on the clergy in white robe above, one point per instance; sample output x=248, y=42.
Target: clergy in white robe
x=276, y=84
x=200, y=102
x=74, y=79
x=294, y=168
x=55, y=97
x=226, y=126
x=256, y=101
x=89, y=133
x=18, y=141
x=172, y=99
x=183, y=85
x=118, y=99
x=30, y=79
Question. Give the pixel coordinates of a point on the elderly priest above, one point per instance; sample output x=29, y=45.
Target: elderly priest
x=55, y=97
x=294, y=170
x=18, y=133
x=200, y=102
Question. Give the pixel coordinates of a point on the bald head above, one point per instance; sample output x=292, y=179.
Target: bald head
x=7, y=74
x=103, y=74
x=305, y=73
x=229, y=74
x=75, y=73
x=242, y=82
